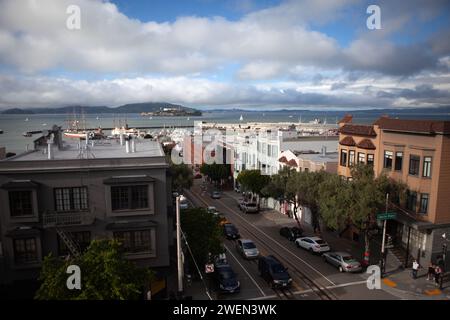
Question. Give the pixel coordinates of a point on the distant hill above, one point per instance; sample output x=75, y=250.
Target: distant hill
x=127, y=108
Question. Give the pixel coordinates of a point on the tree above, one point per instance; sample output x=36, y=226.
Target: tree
x=305, y=185
x=203, y=234
x=253, y=181
x=216, y=172
x=182, y=176
x=277, y=189
x=106, y=274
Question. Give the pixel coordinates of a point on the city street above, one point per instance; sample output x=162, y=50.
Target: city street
x=312, y=278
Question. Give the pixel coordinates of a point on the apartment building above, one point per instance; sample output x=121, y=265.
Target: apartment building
x=312, y=161
x=63, y=194
x=416, y=152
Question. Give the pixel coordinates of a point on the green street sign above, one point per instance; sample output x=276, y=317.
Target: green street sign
x=387, y=216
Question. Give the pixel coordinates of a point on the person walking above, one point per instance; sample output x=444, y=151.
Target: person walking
x=430, y=274
x=437, y=274
x=415, y=269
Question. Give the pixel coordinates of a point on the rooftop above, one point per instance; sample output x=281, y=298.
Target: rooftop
x=109, y=149
x=416, y=126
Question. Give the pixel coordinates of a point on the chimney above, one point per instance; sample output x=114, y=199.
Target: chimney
x=127, y=146
x=133, y=145
x=49, y=152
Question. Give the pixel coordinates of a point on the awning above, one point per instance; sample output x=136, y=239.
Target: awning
x=127, y=225
x=128, y=179
x=20, y=184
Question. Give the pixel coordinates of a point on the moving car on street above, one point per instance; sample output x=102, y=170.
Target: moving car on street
x=312, y=244
x=226, y=279
x=250, y=207
x=343, y=261
x=184, y=204
x=247, y=249
x=291, y=233
x=215, y=195
x=211, y=209
x=230, y=231
x=273, y=271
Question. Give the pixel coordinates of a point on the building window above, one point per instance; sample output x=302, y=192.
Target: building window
x=135, y=241
x=83, y=239
x=424, y=203
x=414, y=165
x=20, y=203
x=398, y=161
x=351, y=158
x=361, y=157
x=71, y=199
x=388, y=155
x=370, y=159
x=25, y=251
x=129, y=197
x=343, y=158
x=427, y=167
x=411, y=202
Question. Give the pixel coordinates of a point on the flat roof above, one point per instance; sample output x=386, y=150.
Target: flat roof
x=319, y=157
x=102, y=149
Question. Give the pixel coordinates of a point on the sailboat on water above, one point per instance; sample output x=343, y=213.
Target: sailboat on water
x=241, y=118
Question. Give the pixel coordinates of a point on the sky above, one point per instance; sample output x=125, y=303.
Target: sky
x=255, y=54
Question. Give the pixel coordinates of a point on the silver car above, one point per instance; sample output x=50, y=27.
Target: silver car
x=343, y=261
x=247, y=249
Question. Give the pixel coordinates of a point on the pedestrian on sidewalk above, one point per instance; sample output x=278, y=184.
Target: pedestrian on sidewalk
x=437, y=274
x=415, y=269
x=430, y=274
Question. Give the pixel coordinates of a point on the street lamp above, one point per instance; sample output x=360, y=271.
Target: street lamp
x=444, y=251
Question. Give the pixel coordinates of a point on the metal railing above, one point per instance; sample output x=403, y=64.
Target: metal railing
x=53, y=219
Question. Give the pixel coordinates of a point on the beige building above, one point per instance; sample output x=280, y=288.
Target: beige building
x=416, y=152
x=309, y=160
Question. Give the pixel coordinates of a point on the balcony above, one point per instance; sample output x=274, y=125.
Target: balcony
x=66, y=219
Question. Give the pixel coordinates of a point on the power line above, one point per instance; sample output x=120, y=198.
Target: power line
x=196, y=265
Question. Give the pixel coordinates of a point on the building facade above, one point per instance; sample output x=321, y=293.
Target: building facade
x=60, y=196
x=417, y=153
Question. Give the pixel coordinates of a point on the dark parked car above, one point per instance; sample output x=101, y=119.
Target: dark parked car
x=230, y=231
x=226, y=279
x=291, y=233
x=273, y=271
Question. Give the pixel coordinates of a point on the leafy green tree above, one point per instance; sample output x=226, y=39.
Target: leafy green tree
x=203, y=234
x=216, y=172
x=182, y=176
x=305, y=185
x=253, y=181
x=277, y=189
x=106, y=274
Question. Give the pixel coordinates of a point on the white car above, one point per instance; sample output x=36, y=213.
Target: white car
x=312, y=244
x=184, y=204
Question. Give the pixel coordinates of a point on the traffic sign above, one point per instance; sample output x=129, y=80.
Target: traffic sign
x=387, y=216
x=209, y=268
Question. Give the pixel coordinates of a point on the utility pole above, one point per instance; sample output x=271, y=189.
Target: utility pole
x=179, y=253
x=383, y=242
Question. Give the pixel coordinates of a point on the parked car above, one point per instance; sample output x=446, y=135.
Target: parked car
x=291, y=233
x=273, y=271
x=226, y=279
x=250, y=207
x=247, y=249
x=312, y=244
x=221, y=260
x=215, y=195
x=343, y=261
x=240, y=203
x=230, y=231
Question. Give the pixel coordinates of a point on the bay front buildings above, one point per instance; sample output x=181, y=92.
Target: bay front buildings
x=62, y=195
x=417, y=153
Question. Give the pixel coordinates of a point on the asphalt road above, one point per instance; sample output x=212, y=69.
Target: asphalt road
x=313, y=279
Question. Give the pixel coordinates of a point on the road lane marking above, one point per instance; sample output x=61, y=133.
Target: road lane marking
x=251, y=278
x=279, y=244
